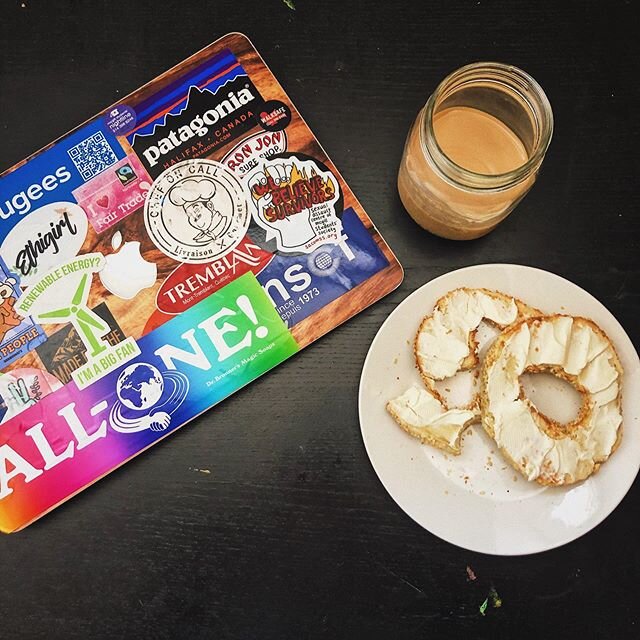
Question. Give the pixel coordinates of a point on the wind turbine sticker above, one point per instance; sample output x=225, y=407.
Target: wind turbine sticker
x=74, y=278
x=91, y=328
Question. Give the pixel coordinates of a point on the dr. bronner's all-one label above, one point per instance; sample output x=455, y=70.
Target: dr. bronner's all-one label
x=155, y=260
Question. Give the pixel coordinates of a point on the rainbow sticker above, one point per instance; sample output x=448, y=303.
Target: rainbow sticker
x=70, y=437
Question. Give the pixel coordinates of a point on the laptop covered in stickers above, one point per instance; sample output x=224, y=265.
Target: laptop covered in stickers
x=158, y=258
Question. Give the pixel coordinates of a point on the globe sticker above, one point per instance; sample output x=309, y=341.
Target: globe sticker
x=196, y=211
x=295, y=202
x=147, y=398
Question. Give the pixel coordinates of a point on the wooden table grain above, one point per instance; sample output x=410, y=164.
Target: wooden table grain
x=263, y=518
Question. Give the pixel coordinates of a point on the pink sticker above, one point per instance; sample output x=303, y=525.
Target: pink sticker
x=115, y=193
x=22, y=388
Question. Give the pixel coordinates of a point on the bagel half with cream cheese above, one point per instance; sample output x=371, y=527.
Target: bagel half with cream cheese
x=446, y=340
x=445, y=344
x=423, y=416
x=576, y=350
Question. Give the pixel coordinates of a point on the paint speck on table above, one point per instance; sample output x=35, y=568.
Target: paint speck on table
x=496, y=600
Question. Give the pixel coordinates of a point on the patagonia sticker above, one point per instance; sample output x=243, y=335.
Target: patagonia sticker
x=220, y=105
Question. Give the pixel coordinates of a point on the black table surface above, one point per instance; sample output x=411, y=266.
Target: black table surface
x=291, y=534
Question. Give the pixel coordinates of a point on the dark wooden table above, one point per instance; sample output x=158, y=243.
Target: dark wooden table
x=291, y=534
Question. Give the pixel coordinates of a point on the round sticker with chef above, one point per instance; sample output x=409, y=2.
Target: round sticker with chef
x=196, y=211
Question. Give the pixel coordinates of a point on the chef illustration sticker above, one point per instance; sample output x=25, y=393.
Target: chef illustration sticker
x=295, y=201
x=196, y=211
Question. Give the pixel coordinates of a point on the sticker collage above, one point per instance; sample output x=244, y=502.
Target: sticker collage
x=157, y=259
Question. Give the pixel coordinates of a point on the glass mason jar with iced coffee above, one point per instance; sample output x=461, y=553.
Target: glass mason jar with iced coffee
x=474, y=150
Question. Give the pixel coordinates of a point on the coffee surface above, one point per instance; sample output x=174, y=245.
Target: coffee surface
x=477, y=141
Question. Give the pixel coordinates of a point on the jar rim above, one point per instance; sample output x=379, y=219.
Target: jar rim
x=517, y=81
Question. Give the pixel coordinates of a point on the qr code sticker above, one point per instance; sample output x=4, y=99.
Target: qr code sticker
x=92, y=156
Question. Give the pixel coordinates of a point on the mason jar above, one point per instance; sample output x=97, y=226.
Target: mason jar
x=474, y=150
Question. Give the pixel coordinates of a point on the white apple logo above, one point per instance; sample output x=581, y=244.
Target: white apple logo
x=126, y=272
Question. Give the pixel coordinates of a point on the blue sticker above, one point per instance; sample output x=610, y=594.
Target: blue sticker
x=53, y=174
x=18, y=335
x=301, y=285
x=121, y=120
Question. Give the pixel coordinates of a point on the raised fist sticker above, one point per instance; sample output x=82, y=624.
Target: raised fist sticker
x=294, y=201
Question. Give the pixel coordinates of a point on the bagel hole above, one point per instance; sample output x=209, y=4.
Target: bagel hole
x=459, y=390
x=552, y=396
x=485, y=336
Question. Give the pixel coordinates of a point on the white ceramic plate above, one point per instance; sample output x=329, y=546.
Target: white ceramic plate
x=476, y=500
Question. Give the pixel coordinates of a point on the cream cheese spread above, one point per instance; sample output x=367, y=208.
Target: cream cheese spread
x=576, y=350
x=424, y=417
x=443, y=341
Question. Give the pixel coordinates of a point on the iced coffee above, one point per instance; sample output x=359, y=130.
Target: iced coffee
x=474, y=150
